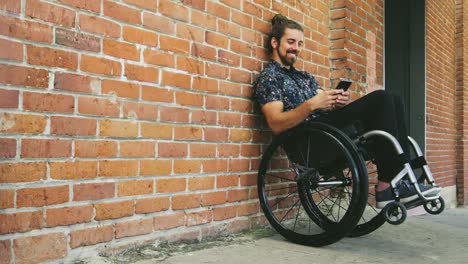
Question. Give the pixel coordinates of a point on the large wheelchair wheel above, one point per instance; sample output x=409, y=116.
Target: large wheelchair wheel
x=300, y=193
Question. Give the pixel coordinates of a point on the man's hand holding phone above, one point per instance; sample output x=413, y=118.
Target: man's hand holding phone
x=343, y=98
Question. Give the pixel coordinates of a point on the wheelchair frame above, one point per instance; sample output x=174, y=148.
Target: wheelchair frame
x=307, y=179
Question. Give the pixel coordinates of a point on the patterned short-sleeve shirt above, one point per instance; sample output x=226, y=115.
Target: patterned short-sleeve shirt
x=290, y=86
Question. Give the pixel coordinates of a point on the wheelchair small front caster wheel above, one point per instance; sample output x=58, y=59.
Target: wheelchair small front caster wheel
x=394, y=213
x=435, y=206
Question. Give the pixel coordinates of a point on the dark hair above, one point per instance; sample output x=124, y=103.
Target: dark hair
x=279, y=24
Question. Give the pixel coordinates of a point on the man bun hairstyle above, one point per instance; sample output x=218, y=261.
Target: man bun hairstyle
x=279, y=24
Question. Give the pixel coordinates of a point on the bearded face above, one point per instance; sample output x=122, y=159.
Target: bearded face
x=288, y=48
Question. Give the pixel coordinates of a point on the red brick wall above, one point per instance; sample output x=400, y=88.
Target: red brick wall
x=130, y=118
x=441, y=132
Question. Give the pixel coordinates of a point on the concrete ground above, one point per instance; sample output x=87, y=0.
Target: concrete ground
x=421, y=239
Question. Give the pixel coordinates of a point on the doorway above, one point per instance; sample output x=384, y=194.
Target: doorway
x=405, y=60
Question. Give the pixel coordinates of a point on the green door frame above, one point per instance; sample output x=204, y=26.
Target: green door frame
x=405, y=60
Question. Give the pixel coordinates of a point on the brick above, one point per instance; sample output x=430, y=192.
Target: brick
x=158, y=57
x=201, y=183
x=9, y=98
x=99, y=26
x=218, y=165
x=241, y=105
x=5, y=250
x=232, y=30
x=95, y=149
x=217, y=71
x=136, y=187
x=117, y=168
x=73, y=170
x=187, y=166
x=248, y=209
x=105, y=211
x=186, y=201
x=188, y=132
x=216, y=39
x=199, y=218
x=151, y=205
x=22, y=172
x=187, y=31
x=147, y=4
x=164, y=222
x=22, y=29
x=241, y=76
x=178, y=80
x=141, y=73
x=40, y=248
x=158, y=23
x=204, y=117
x=12, y=6
x=191, y=65
x=215, y=134
x=50, y=13
x=114, y=128
x=156, y=130
x=204, y=20
x=72, y=126
x=218, y=10
x=20, y=222
x=250, y=150
x=238, y=195
x=121, y=12
x=7, y=199
x=205, y=84
x=140, y=111
x=157, y=94
x=41, y=196
x=172, y=149
x=7, y=148
x=18, y=75
x=91, y=236
x=213, y=198
x=136, y=35
x=120, y=88
x=224, y=181
x=230, y=88
x=240, y=135
x=52, y=57
x=179, y=46
x=100, y=65
x=223, y=213
x=193, y=99
x=121, y=50
x=173, y=114
x=204, y=51
x=98, y=106
x=228, y=150
x=76, y=83
x=10, y=50
x=47, y=102
x=133, y=228
x=45, y=148
x=217, y=102
x=137, y=149
x=170, y=9
x=77, y=40
x=170, y=185
x=93, y=191
x=90, y=5
x=155, y=167
x=202, y=150
x=69, y=215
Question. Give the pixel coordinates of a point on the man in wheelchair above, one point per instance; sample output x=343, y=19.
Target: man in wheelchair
x=289, y=98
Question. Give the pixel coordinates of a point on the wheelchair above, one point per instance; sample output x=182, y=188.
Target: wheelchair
x=314, y=185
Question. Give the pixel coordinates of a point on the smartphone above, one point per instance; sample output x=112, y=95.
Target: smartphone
x=344, y=84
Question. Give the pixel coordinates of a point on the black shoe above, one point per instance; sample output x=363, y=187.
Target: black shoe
x=407, y=191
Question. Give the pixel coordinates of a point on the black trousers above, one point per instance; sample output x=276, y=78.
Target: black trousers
x=376, y=111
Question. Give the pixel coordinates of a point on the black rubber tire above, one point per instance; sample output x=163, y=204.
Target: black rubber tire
x=439, y=207
x=394, y=213
x=284, y=193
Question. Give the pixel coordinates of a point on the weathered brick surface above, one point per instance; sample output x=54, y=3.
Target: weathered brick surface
x=132, y=117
